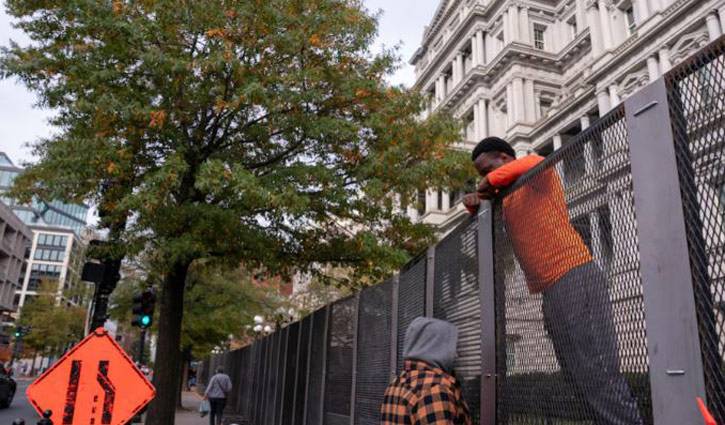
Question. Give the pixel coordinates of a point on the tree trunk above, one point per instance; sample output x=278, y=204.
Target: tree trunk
x=168, y=355
x=184, y=373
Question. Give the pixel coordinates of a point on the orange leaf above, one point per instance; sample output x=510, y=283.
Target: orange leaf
x=158, y=118
x=315, y=40
x=111, y=167
x=231, y=14
x=117, y=6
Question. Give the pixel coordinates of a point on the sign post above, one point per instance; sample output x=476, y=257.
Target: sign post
x=96, y=382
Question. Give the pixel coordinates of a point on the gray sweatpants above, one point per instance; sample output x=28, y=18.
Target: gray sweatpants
x=578, y=319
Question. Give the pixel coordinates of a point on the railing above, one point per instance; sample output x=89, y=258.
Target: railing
x=593, y=297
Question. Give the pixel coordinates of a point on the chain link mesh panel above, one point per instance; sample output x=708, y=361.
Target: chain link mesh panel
x=290, y=373
x=570, y=312
x=338, y=379
x=281, y=362
x=302, y=356
x=244, y=383
x=696, y=93
x=456, y=300
x=234, y=370
x=273, y=374
x=411, y=299
x=313, y=415
x=254, y=388
x=373, y=351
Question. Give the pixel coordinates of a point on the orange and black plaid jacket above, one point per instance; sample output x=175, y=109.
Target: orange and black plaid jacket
x=424, y=395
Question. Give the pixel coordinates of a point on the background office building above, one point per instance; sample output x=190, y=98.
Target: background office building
x=56, y=249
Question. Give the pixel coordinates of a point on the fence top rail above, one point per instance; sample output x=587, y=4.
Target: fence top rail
x=589, y=133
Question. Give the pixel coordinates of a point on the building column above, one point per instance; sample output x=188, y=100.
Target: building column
x=581, y=14
x=614, y=95
x=597, y=240
x=480, y=48
x=458, y=68
x=642, y=9
x=476, y=122
x=721, y=14
x=524, y=35
x=441, y=89
x=506, y=27
x=665, y=62
x=584, y=122
x=530, y=101
x=714, y=30
x=653, y=68
x=603, y=102
x=606, y=26
x=514, y=18
x=474, y=52
x=557, y=141
x=594, y=31
x=446, y=201
x=537, y=105
x=518, y=91
x=431, y=200
x=483, y=117
x=489, y=48
x=510, y=104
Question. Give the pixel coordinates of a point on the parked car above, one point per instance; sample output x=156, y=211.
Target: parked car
x=7, y=388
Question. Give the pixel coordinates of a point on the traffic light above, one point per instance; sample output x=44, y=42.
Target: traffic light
x=143, y=309
x=20, y=331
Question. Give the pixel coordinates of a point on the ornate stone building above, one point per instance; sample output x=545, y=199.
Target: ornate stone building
x=538, y=72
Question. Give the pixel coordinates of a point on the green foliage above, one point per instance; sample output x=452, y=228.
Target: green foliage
x=248, y=130
x=259, y=132
x=219, y=302
x=53, y=325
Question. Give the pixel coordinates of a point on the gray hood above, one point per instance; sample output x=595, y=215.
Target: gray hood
x=432, y=341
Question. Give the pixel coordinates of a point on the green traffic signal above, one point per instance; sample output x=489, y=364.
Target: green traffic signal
x=145, y=320
x=17, y=334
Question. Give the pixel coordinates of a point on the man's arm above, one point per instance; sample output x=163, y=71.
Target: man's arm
x=435, y=408
x=506, y=175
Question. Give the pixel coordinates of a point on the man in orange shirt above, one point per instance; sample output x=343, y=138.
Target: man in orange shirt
x=556, y=262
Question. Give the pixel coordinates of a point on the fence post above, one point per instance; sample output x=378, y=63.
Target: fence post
x=307, y=369
x=353, y=390
x=394, y=330
x=676, y=373
x=326, y=336
x=429, y=280
x=488, y=313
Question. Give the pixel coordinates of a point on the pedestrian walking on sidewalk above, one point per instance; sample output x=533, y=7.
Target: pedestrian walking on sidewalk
x=220, y=385
x=426, y=392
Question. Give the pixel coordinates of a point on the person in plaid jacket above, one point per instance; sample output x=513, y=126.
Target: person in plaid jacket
x=426, y=392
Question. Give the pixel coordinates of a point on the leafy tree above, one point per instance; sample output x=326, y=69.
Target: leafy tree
x=54, y=324
x=256, y=132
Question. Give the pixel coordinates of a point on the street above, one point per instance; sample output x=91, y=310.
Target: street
x=20, y=408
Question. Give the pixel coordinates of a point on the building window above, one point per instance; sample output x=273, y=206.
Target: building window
x=421, y=202
x=631, y=23
x=539, y=31
x=573, y=29
x=544, y=106
x=440, y=200
x=454, y=196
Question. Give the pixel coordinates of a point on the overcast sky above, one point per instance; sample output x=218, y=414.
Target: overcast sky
x=401, y=23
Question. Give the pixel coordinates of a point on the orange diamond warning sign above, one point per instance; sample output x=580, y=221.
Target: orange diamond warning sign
x=95, y=383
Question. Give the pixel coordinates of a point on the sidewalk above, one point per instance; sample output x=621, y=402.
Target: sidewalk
x=190, y=414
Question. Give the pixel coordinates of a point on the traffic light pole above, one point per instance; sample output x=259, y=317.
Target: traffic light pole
x=141, y=344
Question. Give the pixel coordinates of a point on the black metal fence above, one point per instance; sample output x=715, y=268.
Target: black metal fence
x=591, y=291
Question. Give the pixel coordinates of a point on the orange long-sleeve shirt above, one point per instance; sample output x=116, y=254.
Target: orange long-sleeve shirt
x=537, y=223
